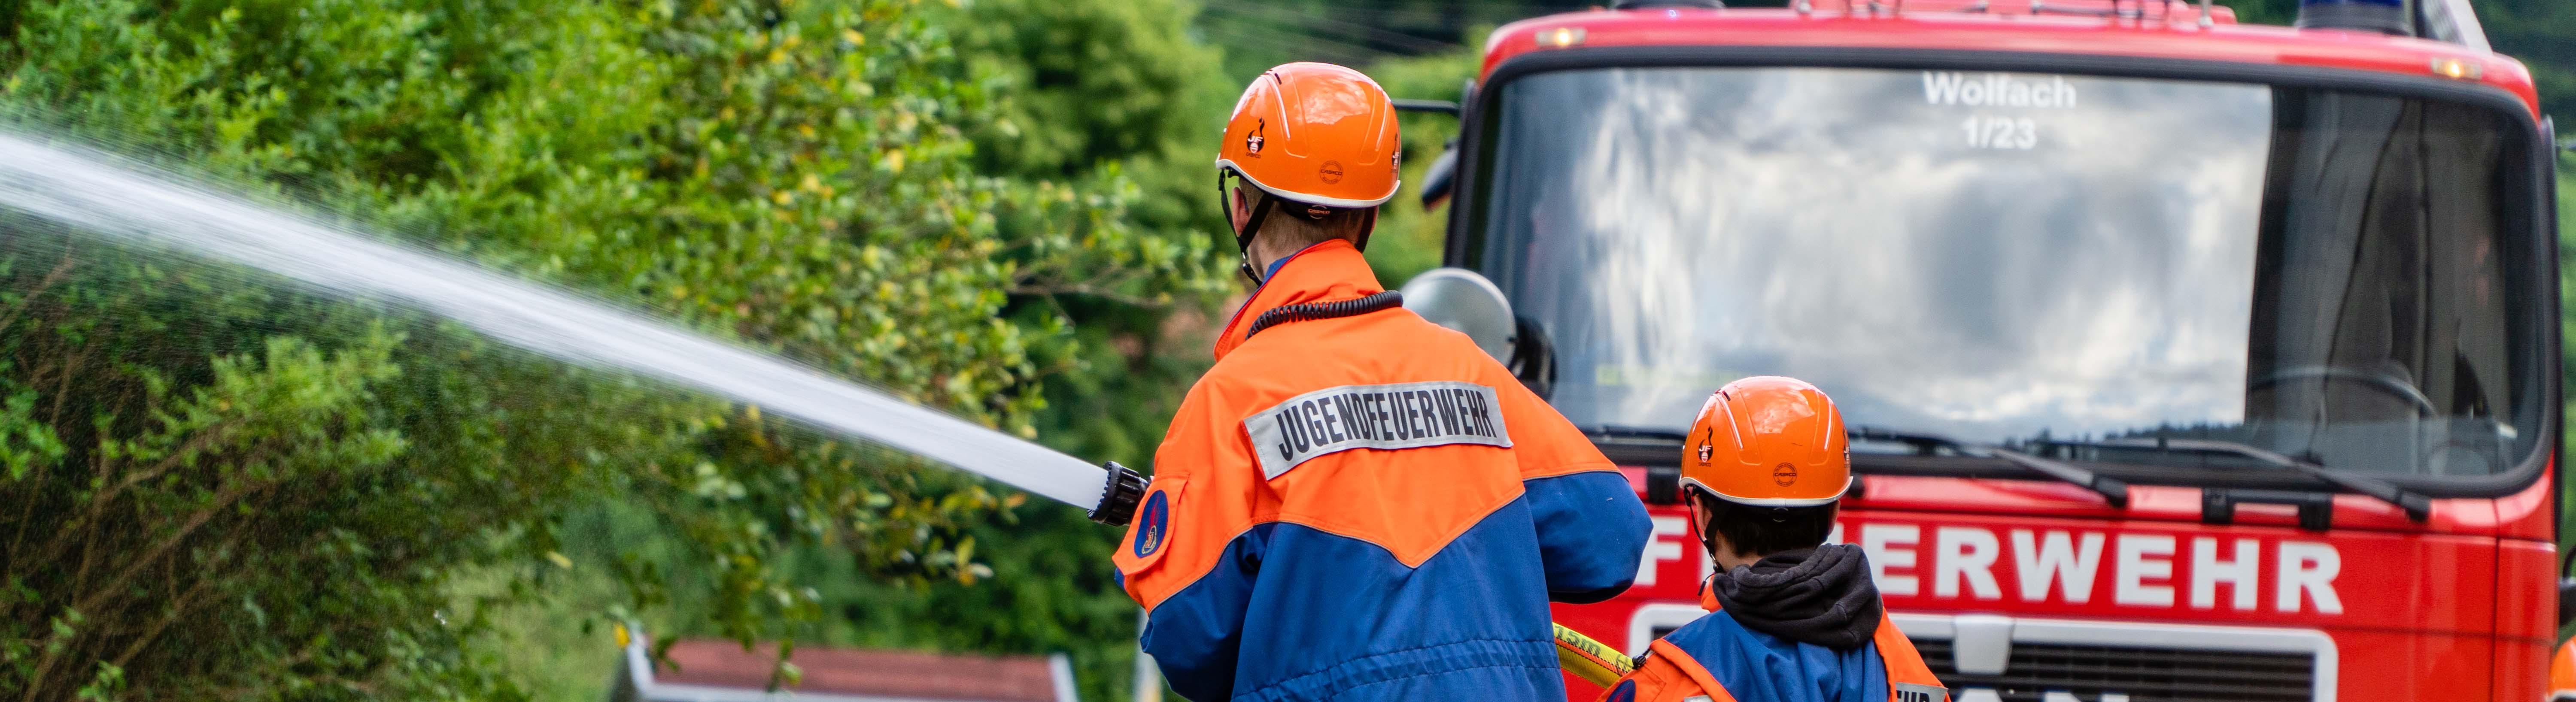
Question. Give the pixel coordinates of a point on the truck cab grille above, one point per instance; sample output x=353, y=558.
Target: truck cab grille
x=2096, y=673
x=1989, y=657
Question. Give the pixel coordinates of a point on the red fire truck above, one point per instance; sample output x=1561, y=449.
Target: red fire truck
x=2187, y=359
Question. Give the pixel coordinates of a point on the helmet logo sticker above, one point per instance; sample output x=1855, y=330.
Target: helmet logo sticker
x=1708, y=446
x=1252, y=142
x=1784, y=475
x=1151, y=524
x=1331, y=172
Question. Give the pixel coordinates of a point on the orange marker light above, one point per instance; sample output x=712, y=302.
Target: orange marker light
x=2457, y=69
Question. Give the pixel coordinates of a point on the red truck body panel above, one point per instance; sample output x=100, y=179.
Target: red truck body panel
x=2454, y=609
x=2179, y=37
x=2457, y=607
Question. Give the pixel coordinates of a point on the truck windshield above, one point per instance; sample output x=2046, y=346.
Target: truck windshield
x=2028, y=258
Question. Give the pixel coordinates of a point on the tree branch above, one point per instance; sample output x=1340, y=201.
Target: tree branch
x=209, y=434
x=41, y=286
x=1084, y=289
x=178, y=609
x=222, y=501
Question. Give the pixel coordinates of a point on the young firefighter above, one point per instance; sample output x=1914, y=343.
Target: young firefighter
x=1792, y=618
x=1355, y=504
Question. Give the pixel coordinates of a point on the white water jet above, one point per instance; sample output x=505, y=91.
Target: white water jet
x=98, y=192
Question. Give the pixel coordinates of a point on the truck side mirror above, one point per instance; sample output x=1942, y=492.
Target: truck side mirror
x=1438, y=179
x=1467, y=303
x=2566, y=591
x=2566, y=601
x=1534, y=358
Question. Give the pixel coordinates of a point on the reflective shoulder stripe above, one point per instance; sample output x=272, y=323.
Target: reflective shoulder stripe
x=1910, y=692
x=1390, y=416
x=1908, y=679
x=1690, y=668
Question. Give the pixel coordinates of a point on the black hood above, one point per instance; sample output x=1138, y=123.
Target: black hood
x=1821, y=596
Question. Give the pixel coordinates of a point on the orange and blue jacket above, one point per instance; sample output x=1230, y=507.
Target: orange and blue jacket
x=1368, y=507
x=1716, y=659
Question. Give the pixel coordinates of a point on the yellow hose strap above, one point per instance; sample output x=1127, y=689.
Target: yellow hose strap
x=1589, y=659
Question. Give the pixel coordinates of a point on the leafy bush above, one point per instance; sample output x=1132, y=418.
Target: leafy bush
x=225, y=488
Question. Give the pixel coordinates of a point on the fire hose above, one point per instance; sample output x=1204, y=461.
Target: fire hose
x=93, y=193
x=1588, y=659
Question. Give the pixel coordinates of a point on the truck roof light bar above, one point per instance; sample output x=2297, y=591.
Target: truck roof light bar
x=2383, y=16
x=1652, y=4
x=2135, y=10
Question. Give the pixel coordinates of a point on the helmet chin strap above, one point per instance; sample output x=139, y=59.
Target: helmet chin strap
x=1243, y=237
x=1707, y=536
x=1261, y=213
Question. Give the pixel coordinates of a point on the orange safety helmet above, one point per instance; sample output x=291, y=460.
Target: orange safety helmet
x=1768, y=441
x=1316, y=134
x=2562, y=673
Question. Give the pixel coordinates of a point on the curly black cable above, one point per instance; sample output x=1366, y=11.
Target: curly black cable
x=1325, y=310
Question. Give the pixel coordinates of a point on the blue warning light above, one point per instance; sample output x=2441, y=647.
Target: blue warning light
x=2382, y=16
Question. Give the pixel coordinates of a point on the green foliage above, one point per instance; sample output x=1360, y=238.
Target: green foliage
x=2543, y=35
x=1051, y=591
x=1107, y=89
x=1093, y=81
x=225, y=488
x=260, y=522
x=1409, y=236
x=2567, y=291
x=1262, y=33
x=2540, y=33
x=213, y=486
x=2566, y=335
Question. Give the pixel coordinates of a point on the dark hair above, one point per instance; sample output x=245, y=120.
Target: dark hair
x=1294, y=224
x=1762, y=531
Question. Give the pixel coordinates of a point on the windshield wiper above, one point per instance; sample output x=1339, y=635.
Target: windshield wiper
x=2112, y=490
x=2417, y=507
x=1626, y=443
x=1618, y=432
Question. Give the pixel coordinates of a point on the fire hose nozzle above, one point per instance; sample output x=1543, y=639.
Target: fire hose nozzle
x=1118, y=496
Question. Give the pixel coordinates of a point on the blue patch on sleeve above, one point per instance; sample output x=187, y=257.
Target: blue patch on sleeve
x=1152, y=523
x=1591, y=533
x=1625, y=692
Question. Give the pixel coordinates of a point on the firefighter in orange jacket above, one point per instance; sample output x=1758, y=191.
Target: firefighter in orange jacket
x=1354, y=503
x=1791, y=617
